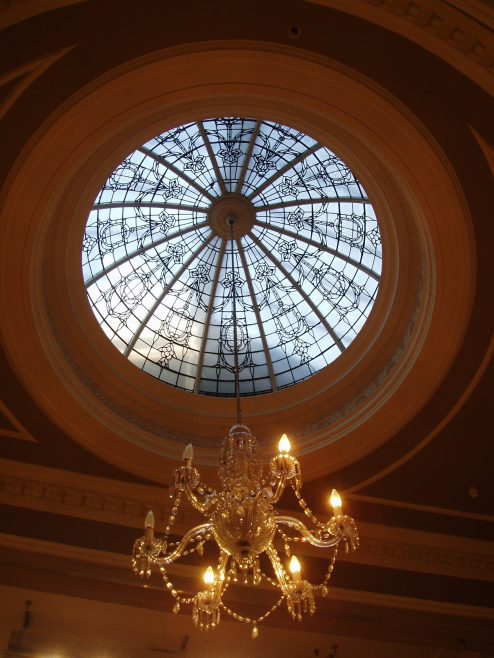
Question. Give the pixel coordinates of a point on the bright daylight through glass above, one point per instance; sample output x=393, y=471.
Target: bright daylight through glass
x=157, y=264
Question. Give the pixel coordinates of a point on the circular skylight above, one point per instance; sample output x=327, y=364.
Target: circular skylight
x=157, y=261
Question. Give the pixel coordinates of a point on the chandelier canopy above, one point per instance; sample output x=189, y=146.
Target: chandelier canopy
x=242, y=520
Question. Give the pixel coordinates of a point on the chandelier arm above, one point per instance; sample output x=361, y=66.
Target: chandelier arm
x=306, y=533
x=187, y=479
x=202, y=506
x=201, y=529
x=220, y=583
x=279, y=489
x=266, y=489
x=223, y=560
x=278, y=569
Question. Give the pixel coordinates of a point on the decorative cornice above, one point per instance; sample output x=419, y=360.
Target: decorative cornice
x=81, y=496
x=422, y=556
x=445, y=23
x=461, y=37
x=418, y=507
x=108, y=501
x=190, y=572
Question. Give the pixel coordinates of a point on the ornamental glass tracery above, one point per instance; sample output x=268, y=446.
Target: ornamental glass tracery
x=157, y=264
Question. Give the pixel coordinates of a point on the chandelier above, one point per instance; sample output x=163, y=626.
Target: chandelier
x=241, y=518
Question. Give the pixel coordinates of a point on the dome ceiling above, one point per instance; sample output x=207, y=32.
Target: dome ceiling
x=341, y=413
x=160, y=272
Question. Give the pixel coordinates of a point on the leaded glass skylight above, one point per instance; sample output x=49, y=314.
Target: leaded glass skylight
x=157, y=264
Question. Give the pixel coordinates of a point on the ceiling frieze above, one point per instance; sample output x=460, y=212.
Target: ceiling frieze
x=85, y=497
x=464, y=38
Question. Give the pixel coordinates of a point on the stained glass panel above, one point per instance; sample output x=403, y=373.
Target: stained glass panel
x=160, y=274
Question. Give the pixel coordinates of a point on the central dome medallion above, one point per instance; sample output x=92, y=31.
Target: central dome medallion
x=157, y=265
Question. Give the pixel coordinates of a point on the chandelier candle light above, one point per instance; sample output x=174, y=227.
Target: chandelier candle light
x=242, y=520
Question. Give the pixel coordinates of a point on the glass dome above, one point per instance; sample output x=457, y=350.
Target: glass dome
x=157, y=260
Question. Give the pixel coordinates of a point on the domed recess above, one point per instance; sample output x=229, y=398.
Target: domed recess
x=157, y=260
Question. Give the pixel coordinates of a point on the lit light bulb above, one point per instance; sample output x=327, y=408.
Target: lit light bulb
x=335, y=502
x=149, y=521
x=209, y=576
x=188, y=454
x=284, y=444
x=295, y=568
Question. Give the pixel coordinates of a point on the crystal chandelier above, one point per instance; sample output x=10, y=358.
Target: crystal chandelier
x=242, y=520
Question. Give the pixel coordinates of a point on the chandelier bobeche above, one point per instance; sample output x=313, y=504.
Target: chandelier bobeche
x=242, y=519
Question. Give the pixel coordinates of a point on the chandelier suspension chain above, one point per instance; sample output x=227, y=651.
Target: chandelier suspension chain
x=231, y=222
